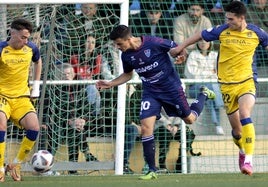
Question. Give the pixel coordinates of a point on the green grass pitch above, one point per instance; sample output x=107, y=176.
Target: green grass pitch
x=168, y=180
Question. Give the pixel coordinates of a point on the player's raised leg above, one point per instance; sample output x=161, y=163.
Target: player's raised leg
x=198, y=104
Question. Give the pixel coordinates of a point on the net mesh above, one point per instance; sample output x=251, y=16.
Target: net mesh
x=71, y=34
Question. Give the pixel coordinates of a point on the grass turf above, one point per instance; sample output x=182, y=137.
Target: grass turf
x=169, y=180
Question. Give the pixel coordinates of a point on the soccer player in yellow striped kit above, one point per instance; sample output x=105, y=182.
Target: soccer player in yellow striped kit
x=16, y=57
x=237, y=74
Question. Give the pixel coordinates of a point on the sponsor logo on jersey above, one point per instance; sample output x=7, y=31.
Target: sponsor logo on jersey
x=147, y=52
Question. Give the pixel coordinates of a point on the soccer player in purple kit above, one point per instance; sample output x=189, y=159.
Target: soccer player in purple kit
x=162, y=87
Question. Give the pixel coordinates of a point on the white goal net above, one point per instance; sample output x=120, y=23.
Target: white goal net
x=76, y=33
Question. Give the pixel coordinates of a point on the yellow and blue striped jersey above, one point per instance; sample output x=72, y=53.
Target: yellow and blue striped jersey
x=236, y=60
x=14, y=69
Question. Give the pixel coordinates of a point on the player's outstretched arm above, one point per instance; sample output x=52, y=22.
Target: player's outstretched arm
x=180, y=57
x=179, y=50
x=123, y=78
x=103, y=84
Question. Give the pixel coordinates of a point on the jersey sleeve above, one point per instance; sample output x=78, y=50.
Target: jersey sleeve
x=165, y=44
x=213, y=33
x=262, y=35
x=36, y=52
x=126, y=64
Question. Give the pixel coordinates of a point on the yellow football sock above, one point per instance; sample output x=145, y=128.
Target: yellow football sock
x=2, y=153
x=25, y=148
x=237, y=139
x=248, y=138
x=239, y=143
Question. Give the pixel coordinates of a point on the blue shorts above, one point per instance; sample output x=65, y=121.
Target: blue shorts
x=174, y=102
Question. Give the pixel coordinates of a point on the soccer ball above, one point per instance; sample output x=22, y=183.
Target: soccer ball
x=42, y=161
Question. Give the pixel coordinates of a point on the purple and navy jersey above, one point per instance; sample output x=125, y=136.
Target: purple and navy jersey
x=152, y=63
x=161, y=83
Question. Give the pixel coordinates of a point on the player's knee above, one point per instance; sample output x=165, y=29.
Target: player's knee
x=190, y=119
x=146, y=131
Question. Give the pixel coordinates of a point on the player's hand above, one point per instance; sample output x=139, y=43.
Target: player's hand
x=172, y=129
x=180, y=59
x=174, y=52
x=102, y=84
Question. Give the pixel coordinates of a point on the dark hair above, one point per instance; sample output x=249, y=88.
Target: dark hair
x=20, y=24
x=208, y=50
x=236, y=7
x=120, y=31
x=152, y=5
x=196, y=3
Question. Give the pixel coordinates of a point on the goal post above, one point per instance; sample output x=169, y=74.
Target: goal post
x=68, y=2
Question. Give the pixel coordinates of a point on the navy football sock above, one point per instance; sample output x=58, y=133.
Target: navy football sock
x=149, y=151
x=198, y=105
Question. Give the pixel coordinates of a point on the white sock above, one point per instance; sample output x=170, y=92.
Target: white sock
x=248, y=159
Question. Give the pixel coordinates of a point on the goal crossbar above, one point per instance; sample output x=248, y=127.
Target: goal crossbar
x=61, y=2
